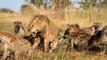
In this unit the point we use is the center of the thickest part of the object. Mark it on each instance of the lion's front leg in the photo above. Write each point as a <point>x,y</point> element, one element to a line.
<point>46,45</point>
<point>53,46</point>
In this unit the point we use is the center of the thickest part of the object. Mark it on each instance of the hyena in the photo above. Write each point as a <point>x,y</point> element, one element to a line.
<point>71,28</point>
<point>78,40</point>
<point>13,44</point>
<point>98,30</point>
<point>103,39</point>
<point>93,29</point>
<point>19,28</point>
<point>93,41</point>
<point>76,36</point>
<point>48,30</point>
<point>98,26</point>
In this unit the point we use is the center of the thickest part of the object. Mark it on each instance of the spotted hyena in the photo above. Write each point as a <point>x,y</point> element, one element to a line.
<point>19,28</point>
<point>71,28</point>
<point>97,26</point>
<point>103,39</point>
<point>98,30</point>
<point>13,44</point>
<point>76,37</point>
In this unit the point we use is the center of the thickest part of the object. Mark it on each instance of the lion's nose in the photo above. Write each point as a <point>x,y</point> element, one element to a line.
<point>28,30</point>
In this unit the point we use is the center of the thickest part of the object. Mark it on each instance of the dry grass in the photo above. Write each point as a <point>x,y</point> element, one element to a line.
<point>71,16</point>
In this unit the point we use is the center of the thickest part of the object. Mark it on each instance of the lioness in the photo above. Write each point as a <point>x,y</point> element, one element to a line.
<point>48,29</point>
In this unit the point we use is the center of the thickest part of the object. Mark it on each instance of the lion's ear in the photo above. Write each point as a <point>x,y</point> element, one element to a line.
<point>68,24</point>
<point>94,23</point>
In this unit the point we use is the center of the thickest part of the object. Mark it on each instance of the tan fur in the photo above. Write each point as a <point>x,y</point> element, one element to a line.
<point>22,33</point>
<point>75,28</point>
<point>103,39</point>
<point>77,36</point>
<point>89,30</point>
<point>95,27</point>
<point>48,29</point>
<point>36,42</point>
<point>79,39</point>
<point>16,45</point>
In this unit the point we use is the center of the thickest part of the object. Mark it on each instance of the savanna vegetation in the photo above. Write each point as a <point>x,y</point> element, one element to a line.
<point>61,12</point>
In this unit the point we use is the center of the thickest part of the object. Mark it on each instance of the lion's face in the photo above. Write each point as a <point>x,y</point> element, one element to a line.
<point>36,26</point>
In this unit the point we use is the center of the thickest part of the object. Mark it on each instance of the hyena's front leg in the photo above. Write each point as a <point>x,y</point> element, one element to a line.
<point>6,52</point>
<point>36,43</point>
<point>72,44</point>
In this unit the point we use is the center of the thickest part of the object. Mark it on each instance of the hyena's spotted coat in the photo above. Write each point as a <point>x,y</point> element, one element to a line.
<point>16,45</point>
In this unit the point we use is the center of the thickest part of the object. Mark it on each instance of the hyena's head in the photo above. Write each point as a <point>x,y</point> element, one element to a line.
<point>97,26</point>
<point>17,26</point>
<point>71,28</point>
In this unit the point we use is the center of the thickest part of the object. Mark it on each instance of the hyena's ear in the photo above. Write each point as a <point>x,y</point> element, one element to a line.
<point>14,23</point>
<point>20,22</point>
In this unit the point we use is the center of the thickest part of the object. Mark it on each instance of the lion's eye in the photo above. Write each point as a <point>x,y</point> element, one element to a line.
<point>69,29</point>
<point>32,25</point>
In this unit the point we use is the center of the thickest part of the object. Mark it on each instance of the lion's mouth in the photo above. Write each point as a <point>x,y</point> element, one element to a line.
<point>35,33</point>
